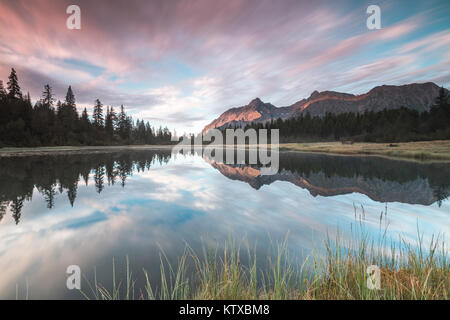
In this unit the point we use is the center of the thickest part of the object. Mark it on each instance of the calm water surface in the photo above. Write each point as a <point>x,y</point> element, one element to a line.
<point>61,210</point>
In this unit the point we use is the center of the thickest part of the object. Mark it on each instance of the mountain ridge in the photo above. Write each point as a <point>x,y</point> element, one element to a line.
<point>417,96</point>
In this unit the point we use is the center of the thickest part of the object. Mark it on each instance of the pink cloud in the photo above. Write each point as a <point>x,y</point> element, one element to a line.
<point>277,50</point>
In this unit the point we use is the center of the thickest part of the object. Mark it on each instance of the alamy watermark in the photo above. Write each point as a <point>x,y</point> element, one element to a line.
<point>74,20</point>
<point>74,277</point>
<point>374,277</point>
<point>240,147</point>
<point>374,20</point>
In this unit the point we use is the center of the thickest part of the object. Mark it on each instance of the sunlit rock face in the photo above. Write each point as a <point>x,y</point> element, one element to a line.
<point>415,96</point>
<point>256,110</point>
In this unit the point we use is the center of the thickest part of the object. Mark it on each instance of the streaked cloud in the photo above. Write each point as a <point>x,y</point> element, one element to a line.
<point>184,62</point>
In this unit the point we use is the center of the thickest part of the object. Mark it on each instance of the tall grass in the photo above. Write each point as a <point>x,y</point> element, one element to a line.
<point>407,272</point>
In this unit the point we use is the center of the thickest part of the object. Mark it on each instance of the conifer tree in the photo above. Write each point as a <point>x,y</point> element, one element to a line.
<point>108,123</point>
<point>21,124</point>
<point>442,99</point>
<point>70,98</point>
<point>85,123</point>
<point>3,92</point>
<point>122,123</point>
<point>13,86</point>
<point>97,116</point>
<point>84,116</point>
<point>114,120</point>
<point>70,107</point>
<point>47,96</point>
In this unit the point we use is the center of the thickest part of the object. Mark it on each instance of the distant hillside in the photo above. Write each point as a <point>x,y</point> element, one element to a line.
<point>416,96</point>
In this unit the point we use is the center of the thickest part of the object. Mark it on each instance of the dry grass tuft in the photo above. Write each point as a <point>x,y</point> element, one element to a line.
<point>407,272</point>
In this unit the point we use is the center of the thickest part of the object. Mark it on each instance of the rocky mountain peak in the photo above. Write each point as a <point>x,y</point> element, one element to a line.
<point>416,96</point>
<point>255,102</point>
<point>314,95</point>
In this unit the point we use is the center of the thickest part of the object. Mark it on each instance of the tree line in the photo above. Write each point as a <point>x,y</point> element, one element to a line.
<point>62,175</point>
<point>54,123</point>
<point>395,125</point>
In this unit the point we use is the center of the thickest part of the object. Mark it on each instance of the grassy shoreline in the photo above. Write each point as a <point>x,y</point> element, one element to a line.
<point>61,150</point>
<point>406,272</point>
<point>422,150</point>
<point>438,150</point>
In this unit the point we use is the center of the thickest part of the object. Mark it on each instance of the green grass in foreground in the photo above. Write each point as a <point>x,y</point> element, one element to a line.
<point>407,272</point>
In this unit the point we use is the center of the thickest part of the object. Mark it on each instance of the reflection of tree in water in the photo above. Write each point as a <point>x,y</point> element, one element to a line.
<point>49,196</point>
<point>58,174</point>
<point>438,174</point>
<point>53,175</point>
<point>441,194</point>
<point>98,178</point>
<point>381,179</point>
<point>3,207</point>
<point>16,208</point>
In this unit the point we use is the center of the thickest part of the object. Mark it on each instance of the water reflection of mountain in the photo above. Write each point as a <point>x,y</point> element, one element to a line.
<point>58,174</point>
<point>380,179</point>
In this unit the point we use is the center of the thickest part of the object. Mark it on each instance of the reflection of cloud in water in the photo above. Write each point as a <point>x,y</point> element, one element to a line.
<point>183,200</point>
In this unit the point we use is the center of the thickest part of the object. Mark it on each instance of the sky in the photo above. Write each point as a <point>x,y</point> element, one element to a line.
<point>183,63</point>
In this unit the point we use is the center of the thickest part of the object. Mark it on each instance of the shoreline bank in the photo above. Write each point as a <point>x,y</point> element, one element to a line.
<point>64,150</point>
<point>438,150</point>
<point>422,150</point>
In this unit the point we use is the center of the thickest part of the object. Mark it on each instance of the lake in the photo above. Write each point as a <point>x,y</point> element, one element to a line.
<point>86,209</point>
